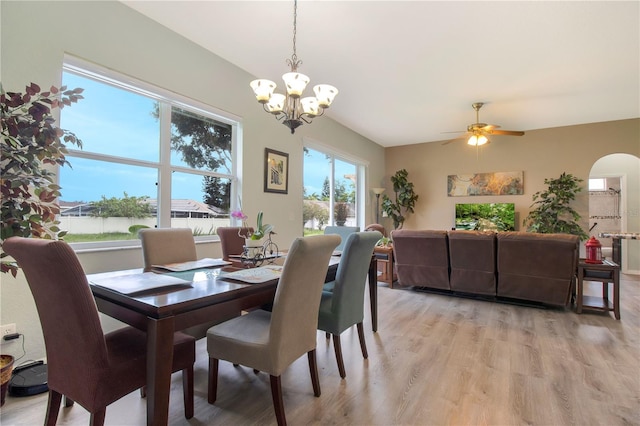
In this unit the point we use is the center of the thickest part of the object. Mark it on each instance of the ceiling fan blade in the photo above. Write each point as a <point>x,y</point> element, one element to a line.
<point>454,139</point>
<point>458,131</point>
<point>490,127</point>
<point>507,132</point>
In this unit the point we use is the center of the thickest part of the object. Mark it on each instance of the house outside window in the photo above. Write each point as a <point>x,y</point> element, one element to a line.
<point>150,158</point>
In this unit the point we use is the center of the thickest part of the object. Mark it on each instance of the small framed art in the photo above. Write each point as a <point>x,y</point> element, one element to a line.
<point>276,171</point>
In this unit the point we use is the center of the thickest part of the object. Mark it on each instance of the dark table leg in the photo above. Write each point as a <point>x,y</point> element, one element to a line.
<point>159,360</point>
<point>373,292</point>
<point>616,246</point>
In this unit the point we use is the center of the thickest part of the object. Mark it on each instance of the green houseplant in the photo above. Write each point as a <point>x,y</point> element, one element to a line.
<point>32,145</point>
<point>553,212</point>
<point>405,199</point>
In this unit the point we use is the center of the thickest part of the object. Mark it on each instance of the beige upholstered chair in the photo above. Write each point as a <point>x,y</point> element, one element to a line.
<point>376,227</point>
<point>172,245</point>
<point>232,243</point>
<point>84,364</point>
<point>167,245</point>
<point>343,306</point>
<point>271,341</point>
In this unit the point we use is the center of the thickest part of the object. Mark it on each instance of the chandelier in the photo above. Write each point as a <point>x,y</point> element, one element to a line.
<point>293,110</point>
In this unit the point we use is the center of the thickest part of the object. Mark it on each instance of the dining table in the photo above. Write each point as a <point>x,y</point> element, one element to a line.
<point>200,296</point>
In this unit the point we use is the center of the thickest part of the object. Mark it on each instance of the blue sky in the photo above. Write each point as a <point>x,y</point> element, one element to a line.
<point>119,123</point>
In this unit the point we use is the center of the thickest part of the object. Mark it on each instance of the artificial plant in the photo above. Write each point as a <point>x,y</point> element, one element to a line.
<point>553,212</point>
<point>405,199</point>
<point>32,145</point>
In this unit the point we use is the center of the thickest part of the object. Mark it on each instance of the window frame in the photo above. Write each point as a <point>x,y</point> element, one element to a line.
<point>362,168</point>
<point>166,100</point>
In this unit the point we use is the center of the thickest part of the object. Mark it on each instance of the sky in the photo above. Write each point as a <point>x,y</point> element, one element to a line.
<point>119,123</point>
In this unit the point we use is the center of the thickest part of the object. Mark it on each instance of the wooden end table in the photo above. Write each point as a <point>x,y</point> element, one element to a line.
<point>606,272</point>
<point>386,264</point>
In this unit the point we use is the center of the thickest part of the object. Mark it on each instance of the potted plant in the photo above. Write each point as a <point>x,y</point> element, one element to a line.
<point>405,199</point>
<point>341,211</point>
<point>553,212</point>
<point>31,143</point>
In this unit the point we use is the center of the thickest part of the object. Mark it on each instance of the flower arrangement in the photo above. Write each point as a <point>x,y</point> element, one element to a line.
<point>259,231</point>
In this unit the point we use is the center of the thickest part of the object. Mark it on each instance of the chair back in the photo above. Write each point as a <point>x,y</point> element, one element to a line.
<point>161,246</point>
<point>73,337</point>
<point>231,240</point>
<point>294,318</point>
<point>376,227</point>
<point>342,231</point>
<point>347,301</point>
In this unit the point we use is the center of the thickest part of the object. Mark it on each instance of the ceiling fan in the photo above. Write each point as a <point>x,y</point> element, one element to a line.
<point>478,132</point>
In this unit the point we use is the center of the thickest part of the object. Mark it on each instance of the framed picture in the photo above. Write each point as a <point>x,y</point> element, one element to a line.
<point>494,183</point>
<point>276,171</point>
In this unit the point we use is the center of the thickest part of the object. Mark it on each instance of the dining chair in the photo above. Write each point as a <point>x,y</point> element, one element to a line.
<point>232,242</point>
<point>271,341</point>
<point>84,364</point>
<point>162,246</point>
<point>343,231</point>
<point>343,305</point>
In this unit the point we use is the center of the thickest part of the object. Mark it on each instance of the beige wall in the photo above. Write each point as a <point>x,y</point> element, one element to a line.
<point>36,35</point>
<point>541,154</point>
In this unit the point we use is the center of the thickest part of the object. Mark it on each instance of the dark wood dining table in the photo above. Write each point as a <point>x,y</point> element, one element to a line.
<point>208,298</point>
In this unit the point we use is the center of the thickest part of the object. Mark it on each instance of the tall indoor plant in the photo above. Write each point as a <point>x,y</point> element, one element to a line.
<point>32,145</point>
<point>405,199</point>
<point>553,212</point>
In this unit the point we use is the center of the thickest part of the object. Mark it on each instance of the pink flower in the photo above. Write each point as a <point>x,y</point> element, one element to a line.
<point>238,214</point>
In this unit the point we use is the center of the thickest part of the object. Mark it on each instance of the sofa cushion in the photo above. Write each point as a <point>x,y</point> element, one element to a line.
<point>537,267</point>
<point>421,258</point>
<point>473,261</point>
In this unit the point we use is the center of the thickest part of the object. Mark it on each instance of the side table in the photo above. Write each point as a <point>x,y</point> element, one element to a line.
<point>606,272</point>
<point>386,266</point>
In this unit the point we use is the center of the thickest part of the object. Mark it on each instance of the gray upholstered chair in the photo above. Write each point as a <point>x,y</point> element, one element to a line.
<point>271,341</point>
<point>161,246</point>
<point>84,364</point>
<point>343,231</point>
<point>343,306</point>
<point>232,243</point>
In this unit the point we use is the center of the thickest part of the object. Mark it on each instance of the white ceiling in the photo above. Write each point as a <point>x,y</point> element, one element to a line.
<point>408,71</point>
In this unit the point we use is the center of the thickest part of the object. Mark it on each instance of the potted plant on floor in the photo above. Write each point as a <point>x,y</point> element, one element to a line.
<point>31,144</point>
<point>405,199</point>
<point>553,212</point>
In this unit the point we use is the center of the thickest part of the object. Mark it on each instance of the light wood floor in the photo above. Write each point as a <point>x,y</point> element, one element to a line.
<point>436,360</point>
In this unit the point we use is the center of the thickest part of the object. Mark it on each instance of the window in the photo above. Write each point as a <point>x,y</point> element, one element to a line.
<point>332,190</point>
<point>149,158</point>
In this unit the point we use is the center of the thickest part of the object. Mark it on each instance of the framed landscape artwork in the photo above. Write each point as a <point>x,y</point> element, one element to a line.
<point>494,183</point>
<point>276,171</point>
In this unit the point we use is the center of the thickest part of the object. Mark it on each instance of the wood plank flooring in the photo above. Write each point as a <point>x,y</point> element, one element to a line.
<point>435,360</point>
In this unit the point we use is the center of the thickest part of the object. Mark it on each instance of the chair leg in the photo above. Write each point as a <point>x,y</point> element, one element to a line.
<point>187,391</point>
<point>313,369</point>
<point>278,404</point>
<point>363,343</point>
<point>97,418</point>
<point>53,407</point>
<point>213,380</point>
<point>68,402</point>
<point>338,349</point>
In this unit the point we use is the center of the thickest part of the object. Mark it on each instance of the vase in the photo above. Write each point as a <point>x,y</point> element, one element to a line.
<point>253,247</point>
<point>6,363</point>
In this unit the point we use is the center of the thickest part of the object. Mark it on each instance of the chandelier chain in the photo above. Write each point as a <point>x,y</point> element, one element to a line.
<point>294,62</point>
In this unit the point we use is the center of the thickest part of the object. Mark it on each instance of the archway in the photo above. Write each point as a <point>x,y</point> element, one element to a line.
<point>614,205</point>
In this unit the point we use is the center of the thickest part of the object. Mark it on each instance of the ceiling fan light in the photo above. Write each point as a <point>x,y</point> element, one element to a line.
<point>295,83</point>
<point>477,140</point>
<point>325,94</point>
<point>263,89</point>
<point>276,103</point>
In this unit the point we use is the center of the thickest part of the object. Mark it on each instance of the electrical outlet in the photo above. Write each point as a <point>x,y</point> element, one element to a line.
<point>7,329</point>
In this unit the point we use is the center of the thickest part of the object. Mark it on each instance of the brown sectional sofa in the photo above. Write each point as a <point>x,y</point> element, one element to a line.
<point>507,265</point>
